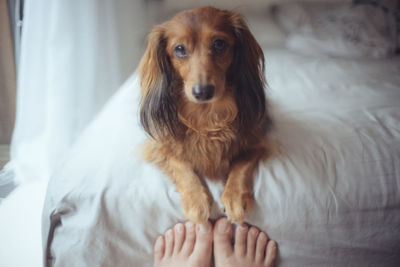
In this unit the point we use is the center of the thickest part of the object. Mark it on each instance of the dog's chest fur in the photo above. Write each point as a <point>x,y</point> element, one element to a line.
<point>210,141</point>
<point>211,153</point>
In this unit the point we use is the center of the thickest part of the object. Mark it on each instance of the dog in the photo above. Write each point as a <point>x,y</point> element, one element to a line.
<point>204,108</point>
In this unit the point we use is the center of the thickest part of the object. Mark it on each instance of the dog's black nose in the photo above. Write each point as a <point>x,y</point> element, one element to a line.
<point>203,92</point>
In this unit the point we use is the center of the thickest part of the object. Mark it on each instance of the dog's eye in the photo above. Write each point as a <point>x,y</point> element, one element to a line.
<point>219,46</point>
<point>180,51</point>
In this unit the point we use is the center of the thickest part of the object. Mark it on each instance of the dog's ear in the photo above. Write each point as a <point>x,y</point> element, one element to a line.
<point>158,107</point>
<point>247,75</point>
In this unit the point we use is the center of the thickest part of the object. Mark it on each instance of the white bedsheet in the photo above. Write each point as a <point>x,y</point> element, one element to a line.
<point>332,198</point>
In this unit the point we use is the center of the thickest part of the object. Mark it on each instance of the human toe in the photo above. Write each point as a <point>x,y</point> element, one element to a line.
<point>261,247</point>
<point>270,254</point>
<point>241,239</point>
<point>179,237</point>
<point>190,238</point>
<point>222,237</point>
<point>169,242</point>
<point>204,238</point>
<point>159,248</point>
<point>251,242</point>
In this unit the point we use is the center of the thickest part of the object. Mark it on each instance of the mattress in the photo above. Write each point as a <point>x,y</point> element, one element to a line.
<point>330,198</point>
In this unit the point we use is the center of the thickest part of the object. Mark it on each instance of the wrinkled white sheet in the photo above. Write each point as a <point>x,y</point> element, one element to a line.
<point>332,198</point>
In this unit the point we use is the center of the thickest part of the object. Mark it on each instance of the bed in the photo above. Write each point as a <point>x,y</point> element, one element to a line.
<point>330,198</point>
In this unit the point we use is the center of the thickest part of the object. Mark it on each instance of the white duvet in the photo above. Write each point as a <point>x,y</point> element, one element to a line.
<point>332,198</point>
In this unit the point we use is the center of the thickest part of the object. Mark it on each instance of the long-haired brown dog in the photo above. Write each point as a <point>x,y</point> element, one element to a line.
<point>203,104</point>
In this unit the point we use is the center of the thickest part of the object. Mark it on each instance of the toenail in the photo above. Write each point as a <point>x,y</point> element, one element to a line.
<point>223,227</point>
<point>169,233</point>
<point>263,236</point>
<point>243,227</point>
<point>272,244</point>
<point>204,228</point>
<point>179,228</point>
<point>253,231</point>
<point>190,226</point>
<point>159,241</point>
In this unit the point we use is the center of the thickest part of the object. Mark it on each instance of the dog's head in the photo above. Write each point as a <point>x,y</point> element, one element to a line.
<point>200,54</point>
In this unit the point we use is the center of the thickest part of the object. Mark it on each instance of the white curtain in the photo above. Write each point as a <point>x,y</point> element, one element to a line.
<point>74,55</point>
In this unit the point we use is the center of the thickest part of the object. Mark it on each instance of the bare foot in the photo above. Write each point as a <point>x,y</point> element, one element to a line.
<point>251,249</point>
<point>184,245</point>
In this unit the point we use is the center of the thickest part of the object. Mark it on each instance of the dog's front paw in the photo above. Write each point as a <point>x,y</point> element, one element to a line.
<point>196,206</point>
<point>236,204</point>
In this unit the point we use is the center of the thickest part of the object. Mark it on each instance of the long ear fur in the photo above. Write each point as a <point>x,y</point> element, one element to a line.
<point>248,78</point>
<point>158,109</point>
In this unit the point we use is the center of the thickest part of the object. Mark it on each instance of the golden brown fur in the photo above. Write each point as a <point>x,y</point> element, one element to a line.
<point>218,133</point>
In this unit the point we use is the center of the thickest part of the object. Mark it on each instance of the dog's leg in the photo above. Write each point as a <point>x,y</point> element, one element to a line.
<point>238,193</point>
<point>195,197</point>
